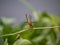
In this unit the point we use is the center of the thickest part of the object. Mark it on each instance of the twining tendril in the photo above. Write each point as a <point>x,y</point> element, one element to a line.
<point>28,29</point>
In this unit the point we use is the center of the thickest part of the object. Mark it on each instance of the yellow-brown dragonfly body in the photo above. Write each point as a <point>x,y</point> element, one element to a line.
<point>29,22</point>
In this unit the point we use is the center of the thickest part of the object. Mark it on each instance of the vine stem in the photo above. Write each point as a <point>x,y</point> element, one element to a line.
<point>28,29</point>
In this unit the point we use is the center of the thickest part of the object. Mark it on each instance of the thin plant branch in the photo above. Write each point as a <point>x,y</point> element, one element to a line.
<point>27,30</point>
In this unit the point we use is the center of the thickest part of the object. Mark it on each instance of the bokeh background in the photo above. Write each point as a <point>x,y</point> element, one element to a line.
<point>16,9</point>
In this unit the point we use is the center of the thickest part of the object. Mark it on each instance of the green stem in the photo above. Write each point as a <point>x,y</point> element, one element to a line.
<point>27,30</point>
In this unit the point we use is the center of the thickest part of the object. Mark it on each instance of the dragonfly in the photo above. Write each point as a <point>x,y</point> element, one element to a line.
<point>28,21</point>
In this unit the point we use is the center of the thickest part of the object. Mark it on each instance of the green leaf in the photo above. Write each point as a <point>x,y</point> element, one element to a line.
<point>7,21</point>
<point>22,42</point>
<point>6,42</point>
<point>1,23</point>
<point>36,15</point>
<point>8,30</point>
<point>27,34</point>
<point>1,28</point>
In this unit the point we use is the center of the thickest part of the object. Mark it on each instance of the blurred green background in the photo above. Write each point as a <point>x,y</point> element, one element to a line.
<point>17,9</point>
